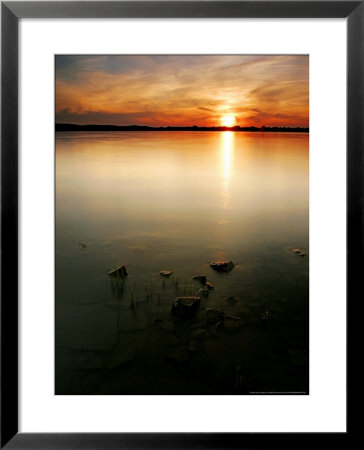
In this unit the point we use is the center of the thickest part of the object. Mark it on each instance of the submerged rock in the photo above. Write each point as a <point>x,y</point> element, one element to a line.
<point>298,252</point>
<point>222,266</point>
<point>201,278</point>
<point>214,315</point>
<point>120,272</point>
<point>165,273</point>
<point>185,306</point>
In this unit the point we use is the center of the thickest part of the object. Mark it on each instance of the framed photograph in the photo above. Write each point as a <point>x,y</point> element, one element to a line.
<point>181,221</point>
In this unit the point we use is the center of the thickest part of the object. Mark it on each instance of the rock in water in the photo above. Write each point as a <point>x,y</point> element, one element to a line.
<point>222,266</point>
<point>165,273</point>
<point>120,272</point>
<point>214,315</point>
<point>185,306</point>
<point>201,278</point>
<point>298,251</point>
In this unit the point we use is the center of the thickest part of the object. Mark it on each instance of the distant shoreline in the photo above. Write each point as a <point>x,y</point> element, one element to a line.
<point>73,127</point>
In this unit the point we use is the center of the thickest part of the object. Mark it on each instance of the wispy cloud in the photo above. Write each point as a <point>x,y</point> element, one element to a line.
<point>182,90</point>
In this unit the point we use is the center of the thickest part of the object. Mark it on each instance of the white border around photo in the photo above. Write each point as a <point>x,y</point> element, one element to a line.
<point>324,409</point>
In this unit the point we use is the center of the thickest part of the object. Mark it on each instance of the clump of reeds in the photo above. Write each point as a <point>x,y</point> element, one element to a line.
<point>133,295</point>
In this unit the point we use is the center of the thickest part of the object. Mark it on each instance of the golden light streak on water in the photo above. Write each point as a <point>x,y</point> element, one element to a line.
<point>227,146</point>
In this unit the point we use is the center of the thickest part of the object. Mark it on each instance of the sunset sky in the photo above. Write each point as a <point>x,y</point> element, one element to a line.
<point>211,90</point>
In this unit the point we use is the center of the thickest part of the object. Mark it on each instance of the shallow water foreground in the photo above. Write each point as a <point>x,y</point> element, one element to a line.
<point>178,201</point>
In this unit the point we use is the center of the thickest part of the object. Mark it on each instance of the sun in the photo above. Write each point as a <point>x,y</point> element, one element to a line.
<point>227,121</point>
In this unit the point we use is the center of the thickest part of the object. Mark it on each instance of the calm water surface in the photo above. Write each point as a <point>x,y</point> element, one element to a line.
<point>178,201</point>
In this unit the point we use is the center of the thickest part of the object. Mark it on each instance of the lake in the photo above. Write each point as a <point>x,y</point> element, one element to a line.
<point>178,201</point>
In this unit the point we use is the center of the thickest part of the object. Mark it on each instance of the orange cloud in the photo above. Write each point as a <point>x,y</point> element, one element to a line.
<point>182,90</point>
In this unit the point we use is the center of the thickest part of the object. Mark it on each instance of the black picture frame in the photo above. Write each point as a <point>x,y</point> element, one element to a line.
<point>11,12</point>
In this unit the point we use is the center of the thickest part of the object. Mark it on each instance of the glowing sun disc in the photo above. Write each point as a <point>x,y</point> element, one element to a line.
<point>228,121</point>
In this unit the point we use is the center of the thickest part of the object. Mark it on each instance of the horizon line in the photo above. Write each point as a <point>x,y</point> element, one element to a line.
<point>60,126</point>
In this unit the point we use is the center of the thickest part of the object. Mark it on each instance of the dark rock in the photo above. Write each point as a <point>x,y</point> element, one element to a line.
<point>185,306</point>
<point>298,252</point>
<point>165,273</point>
<point>222,266</point>
<point>209,285</point>
<point>214,315</point>
<point>82,245</point>
<point>201,278</point>
<point>120,272</point>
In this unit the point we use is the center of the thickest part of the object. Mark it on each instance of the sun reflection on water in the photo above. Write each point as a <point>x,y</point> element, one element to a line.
<point>227,147</point>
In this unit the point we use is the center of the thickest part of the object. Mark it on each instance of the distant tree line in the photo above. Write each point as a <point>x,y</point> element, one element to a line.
<point>75,127</point>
